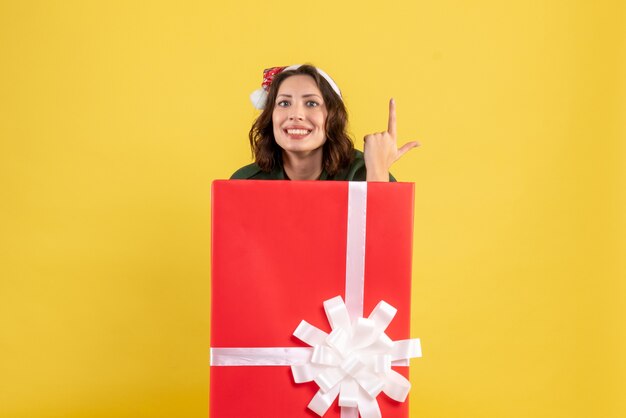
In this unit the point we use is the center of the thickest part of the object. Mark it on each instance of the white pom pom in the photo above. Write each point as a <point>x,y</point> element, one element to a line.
<point>258,98</point>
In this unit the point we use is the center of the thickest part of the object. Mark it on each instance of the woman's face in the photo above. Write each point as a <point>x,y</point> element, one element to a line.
<point>299,116</point>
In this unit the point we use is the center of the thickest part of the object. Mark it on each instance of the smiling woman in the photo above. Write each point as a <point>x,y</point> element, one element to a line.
<point>301,132</point>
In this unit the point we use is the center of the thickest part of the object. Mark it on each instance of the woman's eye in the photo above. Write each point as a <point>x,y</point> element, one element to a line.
<point>312,103</point>
<point>283,103</point>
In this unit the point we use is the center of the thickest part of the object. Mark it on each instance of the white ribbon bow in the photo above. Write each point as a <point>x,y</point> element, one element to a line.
<point>354,360</point>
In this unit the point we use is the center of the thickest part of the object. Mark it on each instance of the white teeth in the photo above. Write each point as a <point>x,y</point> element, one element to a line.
<point>298,131</point>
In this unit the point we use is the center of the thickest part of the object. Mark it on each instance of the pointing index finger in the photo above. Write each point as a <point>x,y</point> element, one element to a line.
<point>391,126</point>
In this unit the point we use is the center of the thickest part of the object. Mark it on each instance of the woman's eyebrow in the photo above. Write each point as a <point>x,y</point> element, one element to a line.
<point>304,95</point>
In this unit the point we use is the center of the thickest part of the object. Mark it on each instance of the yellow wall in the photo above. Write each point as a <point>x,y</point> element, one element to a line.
<point>115,116</point>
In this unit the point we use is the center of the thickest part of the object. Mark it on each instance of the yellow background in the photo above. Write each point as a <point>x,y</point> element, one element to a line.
<point>115,117</point>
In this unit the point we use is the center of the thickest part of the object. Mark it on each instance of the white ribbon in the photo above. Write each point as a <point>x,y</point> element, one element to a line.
<point>354,361</point>
<point>255,356</point>
<point>355,251</point>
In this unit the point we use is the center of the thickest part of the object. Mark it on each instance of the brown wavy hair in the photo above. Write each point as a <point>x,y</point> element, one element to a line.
<point>338,149</point>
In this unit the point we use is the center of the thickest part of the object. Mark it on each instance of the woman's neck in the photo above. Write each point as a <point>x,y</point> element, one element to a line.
<point>303,167</point>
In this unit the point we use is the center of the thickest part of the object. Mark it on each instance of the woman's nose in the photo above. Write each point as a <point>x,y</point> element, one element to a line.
<point>296,112</point>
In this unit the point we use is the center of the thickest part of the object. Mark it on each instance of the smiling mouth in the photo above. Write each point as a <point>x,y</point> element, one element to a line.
<point>298,132</point>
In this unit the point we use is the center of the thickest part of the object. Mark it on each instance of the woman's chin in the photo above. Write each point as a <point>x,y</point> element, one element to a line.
<point>305,145</point>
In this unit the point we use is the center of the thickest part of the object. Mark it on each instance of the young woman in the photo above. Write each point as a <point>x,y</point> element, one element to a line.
<point>301,132</point>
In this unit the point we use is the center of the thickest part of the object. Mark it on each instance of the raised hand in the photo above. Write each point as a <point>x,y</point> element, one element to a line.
<point>381,149</point>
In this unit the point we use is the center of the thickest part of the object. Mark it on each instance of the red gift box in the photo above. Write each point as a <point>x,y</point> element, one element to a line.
<point>279,251</point>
